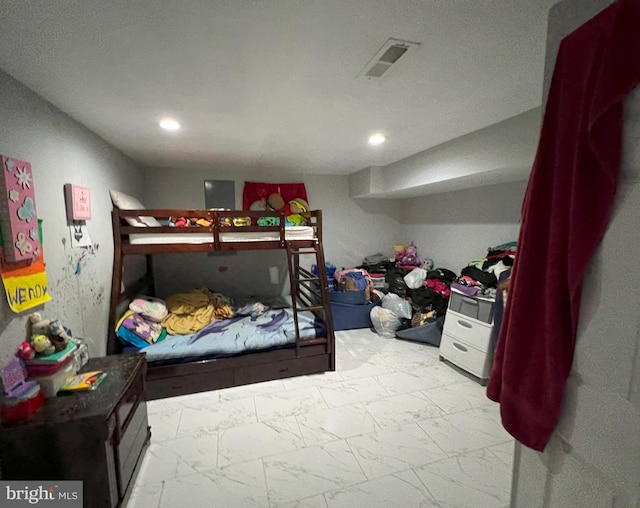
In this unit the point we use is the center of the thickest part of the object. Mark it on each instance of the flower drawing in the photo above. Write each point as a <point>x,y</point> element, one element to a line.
<point>24,178</point>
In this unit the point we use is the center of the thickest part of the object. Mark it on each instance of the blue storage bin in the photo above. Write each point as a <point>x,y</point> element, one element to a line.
<point>349,317</point>
<point>351,297</point>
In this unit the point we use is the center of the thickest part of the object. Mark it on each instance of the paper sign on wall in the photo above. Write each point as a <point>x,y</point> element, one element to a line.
<point>78,202</point>
<point>25,284</point>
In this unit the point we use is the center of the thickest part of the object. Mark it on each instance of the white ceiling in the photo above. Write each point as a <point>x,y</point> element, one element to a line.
<point>273,84</point>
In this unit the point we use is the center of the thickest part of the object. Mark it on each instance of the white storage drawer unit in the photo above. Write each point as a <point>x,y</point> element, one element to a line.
<point>466,336</point>
<point>477,307</point>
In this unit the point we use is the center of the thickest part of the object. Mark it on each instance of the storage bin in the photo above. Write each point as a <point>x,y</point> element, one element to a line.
<point>358,297</point>
<point>429,333</point>
<point>51,384</point>
<point>348,317</point>
<point>476,307</point>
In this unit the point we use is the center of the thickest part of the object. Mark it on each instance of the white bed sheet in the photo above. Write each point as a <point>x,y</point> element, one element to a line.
<point>291,233</point>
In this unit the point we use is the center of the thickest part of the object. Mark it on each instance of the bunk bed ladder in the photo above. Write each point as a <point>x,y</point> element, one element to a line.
<point>309,291</point>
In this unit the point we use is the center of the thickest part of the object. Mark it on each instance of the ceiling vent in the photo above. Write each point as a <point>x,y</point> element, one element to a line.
<point>387,57</point>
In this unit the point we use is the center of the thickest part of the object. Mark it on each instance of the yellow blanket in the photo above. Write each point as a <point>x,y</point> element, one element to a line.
<point>190,312</point>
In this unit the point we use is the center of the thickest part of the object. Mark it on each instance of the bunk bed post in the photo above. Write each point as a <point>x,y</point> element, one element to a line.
<point>293,262</point>
<point>116,283</point>
<point>324,293</point>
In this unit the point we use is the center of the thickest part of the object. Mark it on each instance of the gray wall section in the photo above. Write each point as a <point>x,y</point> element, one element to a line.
<point>62,151</point>
<point>454,228</point>
<point>593,458</point>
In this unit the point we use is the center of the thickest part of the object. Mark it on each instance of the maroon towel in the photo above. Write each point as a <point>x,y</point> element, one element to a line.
<point>565,214</point>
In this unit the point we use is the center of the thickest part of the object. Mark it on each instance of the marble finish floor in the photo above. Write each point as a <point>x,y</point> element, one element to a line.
<point>392,427</point>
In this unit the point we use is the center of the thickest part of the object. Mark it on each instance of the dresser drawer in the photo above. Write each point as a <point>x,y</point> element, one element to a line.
<point>131,444</point>
<point>128,404</point>
<point>475,307</point>
<point>470,331</point>
<point>466,356</point>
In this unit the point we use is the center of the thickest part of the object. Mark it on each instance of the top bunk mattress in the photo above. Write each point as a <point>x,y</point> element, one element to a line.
<point>291,233</point>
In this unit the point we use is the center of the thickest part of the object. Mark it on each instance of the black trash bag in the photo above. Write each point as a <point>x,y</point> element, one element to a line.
<point>395,280</point>
<point>424,299</point>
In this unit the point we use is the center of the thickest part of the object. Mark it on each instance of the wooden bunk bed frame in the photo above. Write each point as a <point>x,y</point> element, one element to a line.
<point>309,356</point>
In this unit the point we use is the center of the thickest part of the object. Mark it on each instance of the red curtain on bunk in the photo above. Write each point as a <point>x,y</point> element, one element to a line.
<point>259,193</point>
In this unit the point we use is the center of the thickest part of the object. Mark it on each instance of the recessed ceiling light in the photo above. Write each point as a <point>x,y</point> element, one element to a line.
<point>377,139</point>
<point>169,124</point>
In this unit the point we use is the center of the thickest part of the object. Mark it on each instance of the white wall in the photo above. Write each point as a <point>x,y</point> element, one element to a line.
<point>352,229</point>
<point>454,228</point>
<point>593,458</point>
<point>500,153</point>
<point>62,151</point>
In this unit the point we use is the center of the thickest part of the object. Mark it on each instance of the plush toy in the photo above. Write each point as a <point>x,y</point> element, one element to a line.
<point>58,335</point>
<point>51,329</point>
<point>42,345</point>
<point>297,207</point>
<point>25,351</point>
<point>39,326</point>
<point>260,205</point>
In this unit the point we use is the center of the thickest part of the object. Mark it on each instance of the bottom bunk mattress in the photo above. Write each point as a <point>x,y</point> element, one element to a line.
<point>229,337</point>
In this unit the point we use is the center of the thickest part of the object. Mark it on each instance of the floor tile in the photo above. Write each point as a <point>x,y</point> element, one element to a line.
<point>209,419</point>
<point>288,403</point>
<point>352,392</point>
<point>399,490</point>
<point>164,424</point>
<point>326,378</point>
<point>236,486</point>
<point>402,409</point>
<point>179,457</point>
<point>145,496</point>
<point>504,452</point>
<point>474,480</point>
<point>404,382</point>
<point>356,368</point>
<point>240,392</point>
<point>392,426</point>
<point>308,502</point>
<point>393,450</point>
<point>256,440</point>
<point>463,432</point>
<point>331,424</point>
<point>459,397</point>
<point>311,471</point>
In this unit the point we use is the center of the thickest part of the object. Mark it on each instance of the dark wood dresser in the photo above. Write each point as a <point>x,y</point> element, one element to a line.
<point>98,436</point>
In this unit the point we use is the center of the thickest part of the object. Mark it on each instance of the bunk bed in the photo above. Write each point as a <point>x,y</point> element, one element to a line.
<point>227,231</point>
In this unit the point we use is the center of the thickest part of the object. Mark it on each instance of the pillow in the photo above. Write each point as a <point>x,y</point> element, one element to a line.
<point>126,202</point>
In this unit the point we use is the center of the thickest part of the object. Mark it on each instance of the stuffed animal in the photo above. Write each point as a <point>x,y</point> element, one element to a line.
<point>51,329</point>
<point>42,345</point>
<point>25,351</point>
<point>39,326</point>
<point>58,335</point>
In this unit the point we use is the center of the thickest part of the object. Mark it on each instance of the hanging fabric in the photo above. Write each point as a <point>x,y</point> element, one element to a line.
<point>565,214</point>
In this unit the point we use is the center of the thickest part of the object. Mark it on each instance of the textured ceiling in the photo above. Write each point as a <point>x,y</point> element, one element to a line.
<point>274,84</point>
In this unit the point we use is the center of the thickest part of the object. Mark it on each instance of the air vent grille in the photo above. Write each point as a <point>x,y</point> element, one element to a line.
<point>387,56</point>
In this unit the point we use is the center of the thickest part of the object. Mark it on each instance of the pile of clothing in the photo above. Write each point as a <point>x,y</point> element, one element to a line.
<point>149,320</point>
<point>481,276</point>
<point>141,324</point>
